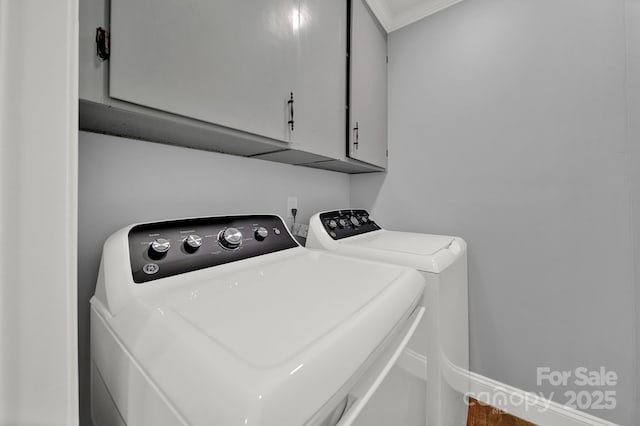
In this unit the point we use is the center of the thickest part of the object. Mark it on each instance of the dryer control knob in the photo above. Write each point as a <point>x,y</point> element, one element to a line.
<point>230,238</point>
<point>343,223</point>
<point>261,233</point>
<point>159,247</point>
<point>354,221</point>
<point>192,243</point>
<point>332,224</point>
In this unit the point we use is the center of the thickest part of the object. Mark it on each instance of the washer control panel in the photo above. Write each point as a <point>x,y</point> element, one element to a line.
<point>163,249</point>
<point>347,223</point>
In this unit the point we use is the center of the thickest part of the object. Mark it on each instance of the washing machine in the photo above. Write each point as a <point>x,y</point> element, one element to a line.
<point>439,351</point>
<point>227,320</point>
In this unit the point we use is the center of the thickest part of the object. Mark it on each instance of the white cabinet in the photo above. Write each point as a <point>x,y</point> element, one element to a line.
<point>368,82</point>
<point>219,75</point>
<point>232,63</point>
<point>321,84</point>
<point>272,68</point>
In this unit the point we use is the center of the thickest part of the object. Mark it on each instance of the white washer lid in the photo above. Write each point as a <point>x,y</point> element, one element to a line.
<point>267,316</point>
<point>425,252</point>
<point>269,344</point>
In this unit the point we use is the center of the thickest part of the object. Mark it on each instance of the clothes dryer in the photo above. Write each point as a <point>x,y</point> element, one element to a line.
<point>442,339</point>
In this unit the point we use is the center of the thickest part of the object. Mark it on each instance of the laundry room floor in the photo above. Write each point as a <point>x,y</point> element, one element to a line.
<point>486,415</point>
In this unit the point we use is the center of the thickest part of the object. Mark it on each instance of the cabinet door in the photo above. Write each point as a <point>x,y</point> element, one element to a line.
<point>320,97</point>
<point>368,97</point>
<point>228,62</point>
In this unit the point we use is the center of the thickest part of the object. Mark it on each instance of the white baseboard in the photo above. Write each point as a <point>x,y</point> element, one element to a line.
<point>538,410</point>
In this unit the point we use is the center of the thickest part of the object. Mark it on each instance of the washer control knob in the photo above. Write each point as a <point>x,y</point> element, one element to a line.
<point>343,223</point>
<point>364,219</point>
<point>230,238</point>
<point>354,221</point>
<point>261,233</point>
<point>159,247</point>
<point>192,243</point>
<point>332,224</point>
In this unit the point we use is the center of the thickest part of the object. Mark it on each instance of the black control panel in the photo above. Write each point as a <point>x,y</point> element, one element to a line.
<point>347,223</point>
<point>163,249</point>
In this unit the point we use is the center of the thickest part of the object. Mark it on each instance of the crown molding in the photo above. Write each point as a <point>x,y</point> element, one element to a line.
<point>382,12</point>
<point>418,12</point>
<point>391,22</point>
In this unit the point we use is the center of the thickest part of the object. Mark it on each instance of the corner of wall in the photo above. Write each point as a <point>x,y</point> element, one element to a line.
<point>632,23</point>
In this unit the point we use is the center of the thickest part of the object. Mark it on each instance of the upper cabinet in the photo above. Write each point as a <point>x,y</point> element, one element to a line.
<point>232,63</point>
<point>321,84</point>
<point>368,82</point>
<point>266,79</point>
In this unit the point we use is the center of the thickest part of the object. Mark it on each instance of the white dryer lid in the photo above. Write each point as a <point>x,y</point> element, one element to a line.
<point>268,343</point>
<point>403,242</point>
<point>425,252</point>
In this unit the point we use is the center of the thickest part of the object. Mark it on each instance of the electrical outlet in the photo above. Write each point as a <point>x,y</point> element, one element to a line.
<point>292,203</point>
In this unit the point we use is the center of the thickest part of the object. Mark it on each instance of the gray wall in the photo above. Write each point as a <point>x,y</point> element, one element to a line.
<point>508,127</point>
<point>123,181</point>
<point>633,80</point>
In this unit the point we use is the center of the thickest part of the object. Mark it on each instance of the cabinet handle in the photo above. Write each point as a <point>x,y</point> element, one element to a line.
<point>102,44</point>
<point>290,102</point>
<point>356,136</point>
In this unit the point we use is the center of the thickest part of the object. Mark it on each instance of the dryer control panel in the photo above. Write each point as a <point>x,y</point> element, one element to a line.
<point>347,223</point>
<point>163,249</point>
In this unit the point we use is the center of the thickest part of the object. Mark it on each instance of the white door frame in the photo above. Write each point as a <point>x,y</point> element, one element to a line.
<point>38,212</point>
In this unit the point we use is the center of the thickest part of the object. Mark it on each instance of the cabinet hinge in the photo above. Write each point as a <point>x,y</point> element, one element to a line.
<point>102,44</point>
<point>387,153</point>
